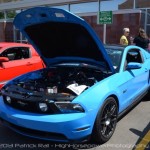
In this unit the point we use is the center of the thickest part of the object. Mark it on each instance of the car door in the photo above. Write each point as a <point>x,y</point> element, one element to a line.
<point>21,60</point>
<point>140,76</point>
<point>136,80</point>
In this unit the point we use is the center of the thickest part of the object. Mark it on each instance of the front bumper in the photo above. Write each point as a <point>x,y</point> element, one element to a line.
<point>58,127</point>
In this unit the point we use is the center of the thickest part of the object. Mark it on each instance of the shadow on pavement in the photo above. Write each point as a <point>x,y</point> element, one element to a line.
<point>143,143</point>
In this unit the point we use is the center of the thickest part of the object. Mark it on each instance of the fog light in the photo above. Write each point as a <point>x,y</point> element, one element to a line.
<point>8,99</point>
<point>43,107</point>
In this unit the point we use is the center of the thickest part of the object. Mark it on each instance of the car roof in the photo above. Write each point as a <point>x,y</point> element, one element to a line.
<point>5,44</point>
<point>115,46</point>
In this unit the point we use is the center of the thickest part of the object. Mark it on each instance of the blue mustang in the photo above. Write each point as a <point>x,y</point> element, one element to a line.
<point>85,87</point>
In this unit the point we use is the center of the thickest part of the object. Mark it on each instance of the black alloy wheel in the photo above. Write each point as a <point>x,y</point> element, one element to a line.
<point>106,121</point>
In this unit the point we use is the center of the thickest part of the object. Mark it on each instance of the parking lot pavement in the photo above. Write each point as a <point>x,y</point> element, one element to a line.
<point>132,133</point>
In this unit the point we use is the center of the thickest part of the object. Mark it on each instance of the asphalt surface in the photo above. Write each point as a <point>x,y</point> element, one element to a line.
<point>132,133</point>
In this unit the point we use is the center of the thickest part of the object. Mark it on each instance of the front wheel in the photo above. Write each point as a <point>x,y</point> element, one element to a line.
<point>106,121</point>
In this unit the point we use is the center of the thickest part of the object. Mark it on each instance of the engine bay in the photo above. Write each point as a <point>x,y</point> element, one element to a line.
<point>59,82</point>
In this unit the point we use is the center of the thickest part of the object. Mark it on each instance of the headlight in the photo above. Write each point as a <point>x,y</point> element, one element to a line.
<point>69,107</point>
<point>43,107</point>
<point>59,107</point>
<point>8,99</point>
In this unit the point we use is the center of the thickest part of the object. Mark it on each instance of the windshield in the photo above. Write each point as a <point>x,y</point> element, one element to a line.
<point>115,54</point>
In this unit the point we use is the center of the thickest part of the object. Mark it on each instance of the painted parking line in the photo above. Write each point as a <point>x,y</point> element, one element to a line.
<point>144,142</point>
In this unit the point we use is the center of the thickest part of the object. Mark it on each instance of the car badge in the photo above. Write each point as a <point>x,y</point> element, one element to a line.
<point>21,103</point>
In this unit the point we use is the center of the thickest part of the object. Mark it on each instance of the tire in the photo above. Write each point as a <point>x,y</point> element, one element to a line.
<point>106,121</point>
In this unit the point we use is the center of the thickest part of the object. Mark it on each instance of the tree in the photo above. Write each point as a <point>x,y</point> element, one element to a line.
<point>1,15</point>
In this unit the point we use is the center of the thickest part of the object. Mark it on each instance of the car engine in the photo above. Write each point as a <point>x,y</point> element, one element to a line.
<point>50,85</point>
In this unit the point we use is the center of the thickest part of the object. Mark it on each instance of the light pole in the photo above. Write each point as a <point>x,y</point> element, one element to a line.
<point>99,1</point>
<point>104,26</point>
<point>134,4</point>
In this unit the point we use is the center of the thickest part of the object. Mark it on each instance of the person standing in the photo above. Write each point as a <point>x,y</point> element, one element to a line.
<point>123,39</point>
<point>142,39</point>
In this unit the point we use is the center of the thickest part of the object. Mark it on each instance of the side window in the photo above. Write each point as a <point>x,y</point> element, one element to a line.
<point>25,52</point>
<point>16,53</point>
<point>134,55</point>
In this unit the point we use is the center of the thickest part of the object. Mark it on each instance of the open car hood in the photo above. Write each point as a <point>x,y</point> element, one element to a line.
<point>60,36</point>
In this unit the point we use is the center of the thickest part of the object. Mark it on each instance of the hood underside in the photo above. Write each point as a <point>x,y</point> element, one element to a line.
<point>64,39</point>
<point>58,35</point>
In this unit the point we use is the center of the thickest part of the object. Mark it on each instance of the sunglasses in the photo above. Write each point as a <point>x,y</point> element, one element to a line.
<point>142,32</point>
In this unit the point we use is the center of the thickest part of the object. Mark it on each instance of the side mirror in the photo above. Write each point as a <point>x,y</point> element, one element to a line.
<point>3,59</point>
<point>133,65</point>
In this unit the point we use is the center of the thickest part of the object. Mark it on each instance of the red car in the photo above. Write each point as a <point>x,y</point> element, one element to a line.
<point>17,59</point>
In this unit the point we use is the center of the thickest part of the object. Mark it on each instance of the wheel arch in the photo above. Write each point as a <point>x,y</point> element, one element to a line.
<point>116,98</point>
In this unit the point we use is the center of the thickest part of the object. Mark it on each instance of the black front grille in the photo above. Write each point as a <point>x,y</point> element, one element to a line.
<point>28,106</point>
<point>21,105</point>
